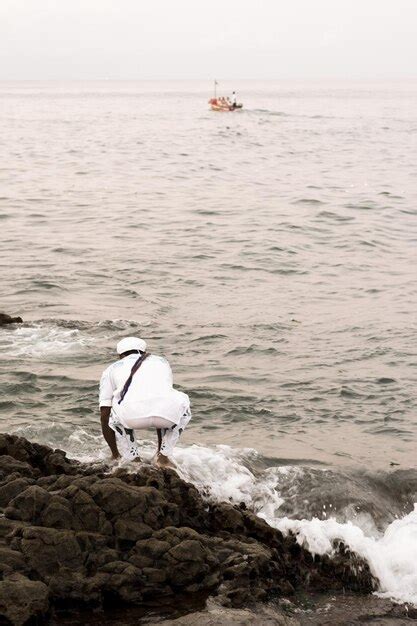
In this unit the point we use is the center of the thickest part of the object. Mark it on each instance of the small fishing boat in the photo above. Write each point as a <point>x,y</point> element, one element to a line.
<point>222,104</point>
<point>216,104</point>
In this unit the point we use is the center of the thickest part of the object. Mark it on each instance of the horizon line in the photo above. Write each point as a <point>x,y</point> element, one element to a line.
<point>211,80</point>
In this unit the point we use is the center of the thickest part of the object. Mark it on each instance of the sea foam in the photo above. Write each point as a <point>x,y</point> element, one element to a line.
<point>392,557</point>
<point>39,340</point>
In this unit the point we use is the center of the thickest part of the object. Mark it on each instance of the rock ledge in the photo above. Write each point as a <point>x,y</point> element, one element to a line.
<point>78,536</point>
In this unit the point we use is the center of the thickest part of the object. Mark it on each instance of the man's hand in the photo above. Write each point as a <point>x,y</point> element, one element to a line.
<point>108,433</point>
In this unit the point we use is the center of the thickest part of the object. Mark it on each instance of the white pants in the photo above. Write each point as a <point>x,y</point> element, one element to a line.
<point>138,423</point>
<point>171,432</point>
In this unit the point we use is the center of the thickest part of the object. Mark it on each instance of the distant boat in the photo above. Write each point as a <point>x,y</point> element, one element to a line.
<point>222,104</point>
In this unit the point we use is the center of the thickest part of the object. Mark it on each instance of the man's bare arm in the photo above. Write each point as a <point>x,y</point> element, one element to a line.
<point>159,433</point>
<point>108,433</point>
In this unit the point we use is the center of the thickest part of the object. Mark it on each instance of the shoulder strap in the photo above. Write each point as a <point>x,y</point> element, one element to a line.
<point>133,371</point>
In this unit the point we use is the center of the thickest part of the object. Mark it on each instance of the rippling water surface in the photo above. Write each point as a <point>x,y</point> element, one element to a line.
<point>269,253</point>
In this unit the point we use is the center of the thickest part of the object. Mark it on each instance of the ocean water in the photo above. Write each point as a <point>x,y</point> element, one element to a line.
<point>268,253</point>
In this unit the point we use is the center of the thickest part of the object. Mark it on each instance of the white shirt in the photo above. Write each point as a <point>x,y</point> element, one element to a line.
<point>151,392</point>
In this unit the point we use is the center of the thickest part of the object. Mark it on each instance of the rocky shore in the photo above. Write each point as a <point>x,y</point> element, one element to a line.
<point>77,537</point>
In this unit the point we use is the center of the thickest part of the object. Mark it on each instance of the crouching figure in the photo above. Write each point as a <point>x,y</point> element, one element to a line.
<point>137,392</point>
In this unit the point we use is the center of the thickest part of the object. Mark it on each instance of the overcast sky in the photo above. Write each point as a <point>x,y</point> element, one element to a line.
<point>182,39</point>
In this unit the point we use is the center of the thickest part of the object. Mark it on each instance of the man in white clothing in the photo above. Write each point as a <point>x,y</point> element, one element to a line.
<point>137,392</point>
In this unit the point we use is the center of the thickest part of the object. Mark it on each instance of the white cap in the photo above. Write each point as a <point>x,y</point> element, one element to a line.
<point>130,343</point>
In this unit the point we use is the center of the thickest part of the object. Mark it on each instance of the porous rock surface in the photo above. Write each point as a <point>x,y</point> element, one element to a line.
<point>78,536</point>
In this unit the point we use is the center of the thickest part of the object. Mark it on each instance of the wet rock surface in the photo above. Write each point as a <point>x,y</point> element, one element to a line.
<point>78,537</point>
<point>339,609</point>
<point>8,319</point>
<point>346,609</point>
<point>313,609</point>
<point>220,616</point>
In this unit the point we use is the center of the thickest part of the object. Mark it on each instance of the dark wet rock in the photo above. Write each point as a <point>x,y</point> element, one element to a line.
<point>11,561</point>
<point>128,530</point>
<point>89,538</point>
<point>7,319</point>
<point>38,460</point>
<point>22,599</point>
<point>11,487</point>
